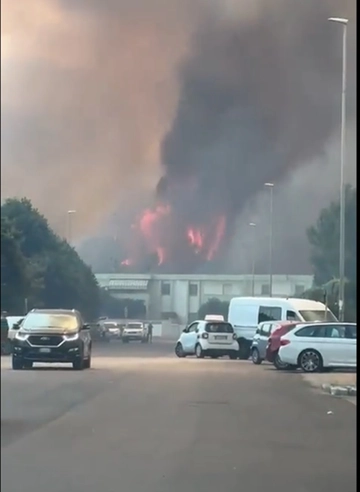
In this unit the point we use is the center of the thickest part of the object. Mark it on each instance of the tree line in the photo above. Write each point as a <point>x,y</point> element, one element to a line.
<point>39,268</point>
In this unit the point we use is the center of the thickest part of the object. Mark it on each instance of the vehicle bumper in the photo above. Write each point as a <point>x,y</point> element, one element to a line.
<point>68,352</point>
<point>220,348</point>
<point>287,358</point>
<point>133,337</point>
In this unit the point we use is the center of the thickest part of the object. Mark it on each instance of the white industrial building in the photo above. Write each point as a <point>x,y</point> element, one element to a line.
<point>180,296</point>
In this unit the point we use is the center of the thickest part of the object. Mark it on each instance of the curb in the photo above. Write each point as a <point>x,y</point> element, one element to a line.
<point>339,390</point>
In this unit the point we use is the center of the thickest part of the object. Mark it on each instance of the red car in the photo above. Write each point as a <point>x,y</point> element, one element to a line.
<point>274,343</point>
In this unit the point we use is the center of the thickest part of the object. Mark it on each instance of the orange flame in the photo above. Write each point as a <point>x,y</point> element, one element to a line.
<point>155,229</point>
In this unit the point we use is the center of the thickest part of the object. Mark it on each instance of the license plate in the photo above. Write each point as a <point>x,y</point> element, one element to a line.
<point>45,350</point>
<point>220,337</point>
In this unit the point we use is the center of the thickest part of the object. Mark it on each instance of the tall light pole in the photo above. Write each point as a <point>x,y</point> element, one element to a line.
<point>270,186</point>
<point>253,226</point>
<point>344,23</point>
<point>70,213</point>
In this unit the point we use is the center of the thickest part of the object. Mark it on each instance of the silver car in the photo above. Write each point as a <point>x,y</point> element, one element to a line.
<point>260,340</point>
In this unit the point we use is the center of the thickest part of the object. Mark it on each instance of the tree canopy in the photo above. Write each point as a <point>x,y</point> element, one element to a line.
<point>39,266</point>
<point>214,306</point>
<point>324,239</point>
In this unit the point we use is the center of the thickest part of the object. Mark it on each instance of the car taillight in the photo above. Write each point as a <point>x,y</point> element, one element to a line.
<point>234,336</point>
<point>205,335</point>
<point>284,342</point>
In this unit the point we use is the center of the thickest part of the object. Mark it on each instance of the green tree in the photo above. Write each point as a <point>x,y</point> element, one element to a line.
<point>214,306</point>
<point>14,276</point>
<point>324,241</point>
<point>58,276</point>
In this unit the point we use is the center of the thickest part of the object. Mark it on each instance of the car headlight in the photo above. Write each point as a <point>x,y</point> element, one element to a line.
<point>71,338</point>
<point>21,336</point>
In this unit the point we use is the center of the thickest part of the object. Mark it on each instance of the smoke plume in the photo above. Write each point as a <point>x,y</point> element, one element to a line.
<point>101,99</point>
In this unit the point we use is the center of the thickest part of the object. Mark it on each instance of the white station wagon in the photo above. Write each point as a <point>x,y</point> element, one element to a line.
<point>316,346</point>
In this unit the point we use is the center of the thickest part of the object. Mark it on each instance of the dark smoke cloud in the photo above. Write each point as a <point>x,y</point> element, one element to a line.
<point>247,91</point>
<point>257,100</point>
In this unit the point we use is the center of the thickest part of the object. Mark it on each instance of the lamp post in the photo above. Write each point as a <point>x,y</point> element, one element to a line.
<point>270,186</point>
<point>341,300</point>
<point>70,213</point>
<point>253,226</point>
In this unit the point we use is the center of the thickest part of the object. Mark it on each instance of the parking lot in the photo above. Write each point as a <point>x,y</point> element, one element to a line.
<point>143,420</point>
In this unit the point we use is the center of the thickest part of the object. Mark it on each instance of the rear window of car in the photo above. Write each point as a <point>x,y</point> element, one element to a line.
<point>219,328</point>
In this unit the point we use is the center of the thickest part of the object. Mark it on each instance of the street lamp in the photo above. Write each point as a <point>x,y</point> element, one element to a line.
<point>253,226</point>
<point>344,23</point>
<point>70,213</point>
<point>270,186</point>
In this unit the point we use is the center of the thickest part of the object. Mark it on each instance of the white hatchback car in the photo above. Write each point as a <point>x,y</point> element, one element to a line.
<point>316,346</point>
<point>208,338</point>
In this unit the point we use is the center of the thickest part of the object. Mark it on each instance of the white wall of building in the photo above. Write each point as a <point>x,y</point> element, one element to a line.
<point>184,294</point>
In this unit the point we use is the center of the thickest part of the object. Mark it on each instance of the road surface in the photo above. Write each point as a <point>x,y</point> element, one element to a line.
<point>142,420</point>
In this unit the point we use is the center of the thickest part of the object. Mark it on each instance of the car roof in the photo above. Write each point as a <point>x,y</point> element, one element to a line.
<point>53,311</point>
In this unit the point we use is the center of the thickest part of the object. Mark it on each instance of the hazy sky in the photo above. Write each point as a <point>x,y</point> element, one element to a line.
<point>90,88</point>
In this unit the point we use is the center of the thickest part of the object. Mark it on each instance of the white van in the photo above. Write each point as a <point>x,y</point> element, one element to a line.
<point>245,313</point>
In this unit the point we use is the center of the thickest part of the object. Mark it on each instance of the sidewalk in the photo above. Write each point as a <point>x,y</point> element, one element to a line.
<point>335,383</point>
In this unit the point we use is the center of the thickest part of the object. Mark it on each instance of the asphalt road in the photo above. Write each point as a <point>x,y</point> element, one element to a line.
<point>142,420</point>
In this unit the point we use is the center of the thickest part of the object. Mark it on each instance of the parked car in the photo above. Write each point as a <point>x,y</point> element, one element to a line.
<point>317,346</point>
<point>135,331</point>
<point>245,313</point>
<point>274,343</point>
<point>208,338</point>
<point>112,329</point>
<point>52,335</point>
<point>261,339</point>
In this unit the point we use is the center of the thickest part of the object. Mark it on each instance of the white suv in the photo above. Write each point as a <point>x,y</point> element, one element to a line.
<point>136,331</point>
<point>208,338</point>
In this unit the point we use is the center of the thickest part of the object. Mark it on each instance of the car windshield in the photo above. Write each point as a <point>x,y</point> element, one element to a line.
<point>318,315</point>
<point>219,328</point>
<point>35,321</point>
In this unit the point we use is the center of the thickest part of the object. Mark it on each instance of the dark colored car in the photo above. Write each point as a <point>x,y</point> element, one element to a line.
<point>52,335</point>
<point>274,343</point>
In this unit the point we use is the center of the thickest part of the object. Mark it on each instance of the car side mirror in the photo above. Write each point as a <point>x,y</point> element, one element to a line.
<point>85,326</point>
<point>16,326</point>
<point>185,330</point>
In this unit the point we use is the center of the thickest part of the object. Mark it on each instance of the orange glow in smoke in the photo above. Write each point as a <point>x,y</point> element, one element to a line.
<point>154,227</point>
<point>149,225</point>
<point>195,238</point>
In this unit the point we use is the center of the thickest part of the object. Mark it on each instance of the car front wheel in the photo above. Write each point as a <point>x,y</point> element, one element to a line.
<point>17,363</point>
<point>78,364</point>
<point>179,351</point>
